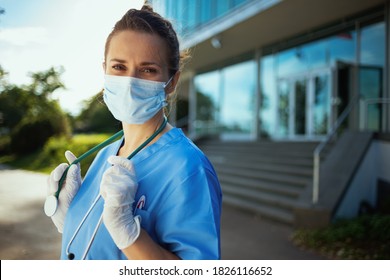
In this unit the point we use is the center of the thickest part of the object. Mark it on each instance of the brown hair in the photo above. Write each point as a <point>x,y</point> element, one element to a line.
<point>148,21</point>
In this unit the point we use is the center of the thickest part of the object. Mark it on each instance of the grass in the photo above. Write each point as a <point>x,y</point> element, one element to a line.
<point>52,154</point>
<point>364,237</point>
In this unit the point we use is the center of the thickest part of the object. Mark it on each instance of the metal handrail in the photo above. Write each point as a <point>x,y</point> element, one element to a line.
<point>322,145</point>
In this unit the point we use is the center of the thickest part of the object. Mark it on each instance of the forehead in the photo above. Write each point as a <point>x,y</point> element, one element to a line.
<point>137,46</point>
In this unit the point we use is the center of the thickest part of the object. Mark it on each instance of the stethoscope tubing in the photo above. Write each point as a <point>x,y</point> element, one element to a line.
<point>83,156</point>
<point>79,227</point>
<point>87,249</point>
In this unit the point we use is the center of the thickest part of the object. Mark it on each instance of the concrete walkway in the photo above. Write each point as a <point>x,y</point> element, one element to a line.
<point>26,233</point>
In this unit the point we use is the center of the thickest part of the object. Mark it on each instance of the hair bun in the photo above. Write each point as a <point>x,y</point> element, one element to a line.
<point>147,7</point>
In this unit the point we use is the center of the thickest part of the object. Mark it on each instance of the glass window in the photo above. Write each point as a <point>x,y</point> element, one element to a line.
<point>238,99</point>
<point>206,9</point>
<point>191,14</point>
<point>373,45</point>
<point>372,59</point>
<point>321,104</point>
<point>290,62</point>
<point>207,101</point>
<point>179,21</point>
<point>342,47</point>
<point>371,88</point>
<point>226,99</point>
<point>268,96</point>
<point>238,2</point>
<point>283,108</point>
<point>300,107</point>
<point>318,54</point>
<point>222,7</point>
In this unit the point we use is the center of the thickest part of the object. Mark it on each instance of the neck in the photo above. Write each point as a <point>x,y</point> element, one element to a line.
<point>136,134</point>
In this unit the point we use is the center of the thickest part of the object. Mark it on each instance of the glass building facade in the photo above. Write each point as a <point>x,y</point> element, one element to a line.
<point>305,88</point>
<point>190,15</point>
<point>288,90</point>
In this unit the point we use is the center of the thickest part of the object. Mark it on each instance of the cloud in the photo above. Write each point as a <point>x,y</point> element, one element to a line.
<point>23,36</point>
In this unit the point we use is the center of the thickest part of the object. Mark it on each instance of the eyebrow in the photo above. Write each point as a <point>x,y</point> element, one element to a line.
<point>145,63</point>
<point>118,60</point>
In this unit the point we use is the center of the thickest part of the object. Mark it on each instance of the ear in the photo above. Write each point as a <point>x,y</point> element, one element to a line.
<point>104,66</point>
<point>172,85</point>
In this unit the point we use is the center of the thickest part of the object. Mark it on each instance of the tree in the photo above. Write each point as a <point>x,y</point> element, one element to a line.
<point>29,113</point>
<point>95,117</point>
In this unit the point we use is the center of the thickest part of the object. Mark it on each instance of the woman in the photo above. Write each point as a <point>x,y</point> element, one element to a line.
<point>164,203</point>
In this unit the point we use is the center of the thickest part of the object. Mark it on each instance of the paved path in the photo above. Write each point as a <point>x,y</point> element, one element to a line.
<point>26,233</point>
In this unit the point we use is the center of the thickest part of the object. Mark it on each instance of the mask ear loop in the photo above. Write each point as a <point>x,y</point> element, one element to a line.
<point>169,81</point>
<point>166,111</point>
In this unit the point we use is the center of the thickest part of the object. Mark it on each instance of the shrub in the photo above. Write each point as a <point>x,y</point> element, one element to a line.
<point>31,135</point>
<point>364,237</point>
<point>54,150</point>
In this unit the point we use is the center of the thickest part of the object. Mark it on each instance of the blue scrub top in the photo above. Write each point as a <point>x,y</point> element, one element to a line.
<point>182,202</point>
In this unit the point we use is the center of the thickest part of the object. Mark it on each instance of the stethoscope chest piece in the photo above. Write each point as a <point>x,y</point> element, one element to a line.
<point>51,205</point>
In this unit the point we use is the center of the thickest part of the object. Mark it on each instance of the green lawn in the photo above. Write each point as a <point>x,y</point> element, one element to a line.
<point>52,153</point>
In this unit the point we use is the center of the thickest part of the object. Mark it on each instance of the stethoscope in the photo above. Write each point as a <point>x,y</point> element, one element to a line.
<point>51,203</point>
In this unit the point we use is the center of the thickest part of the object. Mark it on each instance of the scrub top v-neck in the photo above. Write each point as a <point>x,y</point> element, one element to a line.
<point>178,199</point>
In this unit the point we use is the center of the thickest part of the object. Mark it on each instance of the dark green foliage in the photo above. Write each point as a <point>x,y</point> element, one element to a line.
<point>29,116</point>
<point>95,117</point>
<point>364,237</point>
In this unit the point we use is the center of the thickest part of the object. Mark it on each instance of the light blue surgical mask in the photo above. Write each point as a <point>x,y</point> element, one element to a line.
<point>132,100</point>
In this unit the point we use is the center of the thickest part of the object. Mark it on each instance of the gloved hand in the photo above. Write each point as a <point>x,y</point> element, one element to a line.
<point>118,188</point>
<point>69,188</point>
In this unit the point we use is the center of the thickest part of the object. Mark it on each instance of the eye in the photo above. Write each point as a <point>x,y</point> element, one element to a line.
<point>119,67</point>
<point>149,70</point>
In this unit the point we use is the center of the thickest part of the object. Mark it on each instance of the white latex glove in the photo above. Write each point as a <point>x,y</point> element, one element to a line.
<point>69,188</point>
<point>118,188</point>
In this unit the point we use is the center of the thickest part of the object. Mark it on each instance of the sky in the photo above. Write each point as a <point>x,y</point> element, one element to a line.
<point>38,34</point>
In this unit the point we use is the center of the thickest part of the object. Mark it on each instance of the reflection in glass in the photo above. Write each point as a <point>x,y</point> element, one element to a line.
<point>283,107</point>
<point>300,107</point>
<point>206,11</point>
<point>226,99</point>
<point>222,7</point>
<point>319,54</point>
<point>371,88</point>
<point>238,101</point>
<point>207,101</point>
<point>191,20</point>
<point>297,65</point>
<point>372,59</point>
<point>321,105</point>
<point>268,103</point>
<point>373,45</point>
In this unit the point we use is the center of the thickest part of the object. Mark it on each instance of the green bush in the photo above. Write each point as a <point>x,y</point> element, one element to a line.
<point>28,136</point>
<point>29,114</point>
<point>5,143</point>
<point>364,237</point>
<point>54,151</point>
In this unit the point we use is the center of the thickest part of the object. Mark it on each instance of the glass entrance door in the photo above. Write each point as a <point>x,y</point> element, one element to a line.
<point>304,105</point>
<point>299,107</point>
